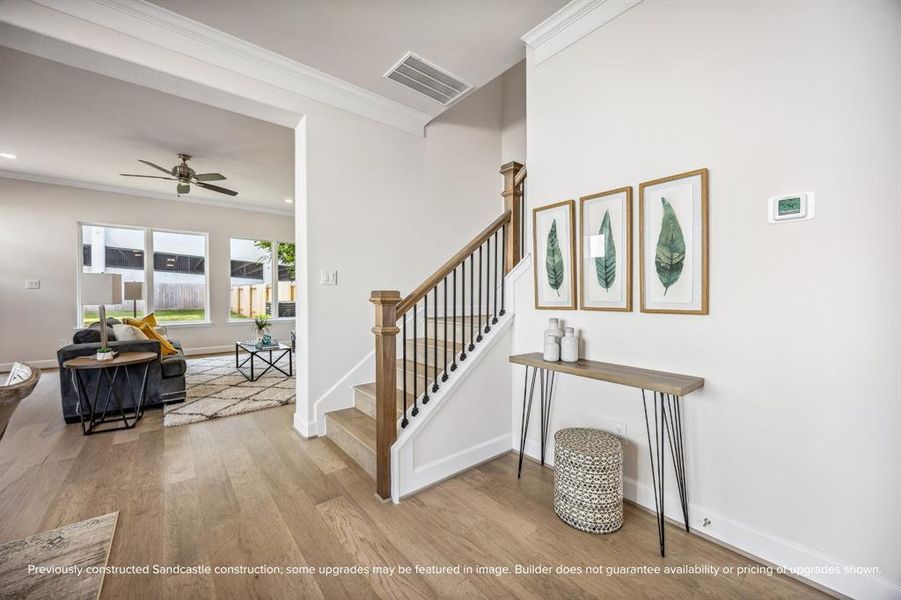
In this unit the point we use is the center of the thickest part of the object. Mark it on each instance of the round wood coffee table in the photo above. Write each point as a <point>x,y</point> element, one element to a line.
<point>108,371</point>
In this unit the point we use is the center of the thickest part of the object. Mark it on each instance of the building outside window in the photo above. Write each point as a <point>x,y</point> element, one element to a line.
<point>177,271</point>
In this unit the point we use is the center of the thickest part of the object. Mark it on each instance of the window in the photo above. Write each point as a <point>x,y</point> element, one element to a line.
<point>113,250</point>
<point>177,274</point>
<point>251,279</point>
<point>250,290</point>
<point>287,289</point>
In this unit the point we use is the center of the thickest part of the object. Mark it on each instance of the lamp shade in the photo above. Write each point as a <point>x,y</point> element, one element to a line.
<point>101,288</point>
<point>134,290</point>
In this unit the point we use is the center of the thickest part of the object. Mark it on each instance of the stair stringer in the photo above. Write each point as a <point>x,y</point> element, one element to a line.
<point>468,421</point>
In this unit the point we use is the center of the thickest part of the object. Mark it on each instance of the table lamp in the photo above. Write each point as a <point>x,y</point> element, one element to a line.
<point>101,289</point>
<point>134,291</point>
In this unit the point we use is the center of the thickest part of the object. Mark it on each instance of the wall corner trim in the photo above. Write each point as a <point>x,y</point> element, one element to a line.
<point>571,23</point>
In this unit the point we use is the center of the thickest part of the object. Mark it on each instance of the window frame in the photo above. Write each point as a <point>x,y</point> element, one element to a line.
<point>273,257</point>
<point>149,300</point>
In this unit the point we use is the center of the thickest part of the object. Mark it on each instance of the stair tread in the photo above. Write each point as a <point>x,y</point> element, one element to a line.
<point>430,342</point>
<point>356,423</point>
<point>369,390</point>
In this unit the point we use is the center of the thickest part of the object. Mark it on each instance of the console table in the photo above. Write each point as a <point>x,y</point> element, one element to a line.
<point>668,390</point>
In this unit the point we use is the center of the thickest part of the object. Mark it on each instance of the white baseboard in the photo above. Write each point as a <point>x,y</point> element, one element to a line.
<point>449,466</point>
<point>305,429</point>
<point>768,548</point>
<point>209,350</point>
<point>38,364</point>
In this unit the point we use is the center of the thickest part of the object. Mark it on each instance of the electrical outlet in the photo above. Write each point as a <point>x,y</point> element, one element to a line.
<point>619,429</point>
<point>63,342</point>
<point>328,277</point>
<point>32,284</point>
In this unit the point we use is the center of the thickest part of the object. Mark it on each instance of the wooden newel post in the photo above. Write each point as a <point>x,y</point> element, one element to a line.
<point>513,202</point>
<point>385,331</point>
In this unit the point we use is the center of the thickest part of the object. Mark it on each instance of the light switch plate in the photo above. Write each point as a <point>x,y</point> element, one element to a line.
<point>32,284</point>
<point>328,277</point>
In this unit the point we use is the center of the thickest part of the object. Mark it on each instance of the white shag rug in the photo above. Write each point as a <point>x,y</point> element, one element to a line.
<point>216,389</point>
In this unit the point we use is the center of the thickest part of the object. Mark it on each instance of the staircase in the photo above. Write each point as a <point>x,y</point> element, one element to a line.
<point>353,429</point>
<point>469,290</point>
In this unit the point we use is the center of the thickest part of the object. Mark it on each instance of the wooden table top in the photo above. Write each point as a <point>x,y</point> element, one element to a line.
<point>658,381</point>
<point>122,359</point>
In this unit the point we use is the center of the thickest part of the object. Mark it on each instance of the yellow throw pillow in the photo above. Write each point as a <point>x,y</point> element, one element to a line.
<point>151,319</point>
<point>166,347</point>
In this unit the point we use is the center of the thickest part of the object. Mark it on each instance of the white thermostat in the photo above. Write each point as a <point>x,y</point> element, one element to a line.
<point>794,207</point>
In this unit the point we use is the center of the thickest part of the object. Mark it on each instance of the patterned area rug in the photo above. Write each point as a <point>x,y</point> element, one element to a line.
<point>216,389</point>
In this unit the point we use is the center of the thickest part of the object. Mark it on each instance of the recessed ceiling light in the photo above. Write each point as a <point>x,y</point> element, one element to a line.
<point>8,155</point>
<point>289,200</point>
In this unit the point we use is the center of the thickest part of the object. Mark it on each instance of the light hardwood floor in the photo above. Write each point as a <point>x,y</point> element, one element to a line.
<point>246,490</point>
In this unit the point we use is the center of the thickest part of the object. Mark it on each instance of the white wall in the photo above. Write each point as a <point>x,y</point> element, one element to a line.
<point>38,240</point>
<point>513,114</point>
<point>385,209</point>
<point>794,444</point>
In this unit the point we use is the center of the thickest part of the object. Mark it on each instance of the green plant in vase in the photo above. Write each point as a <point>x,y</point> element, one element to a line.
<point>261,327</point>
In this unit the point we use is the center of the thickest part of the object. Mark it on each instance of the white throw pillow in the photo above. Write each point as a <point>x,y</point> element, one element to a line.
<point>128,333</point>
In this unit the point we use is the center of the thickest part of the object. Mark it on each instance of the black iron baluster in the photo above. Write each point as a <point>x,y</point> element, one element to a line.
<point>435,352</point>
<point>444,376</point>
<point>415,410</point>
<point>503,267</point>
<point>454,356</point>
<point>425,349</point>
<point>488,283</point>
<point>472,269</point>
<point>404,422</point>
<point>479,336</point>
<point>494,266</point>
<point>463,315</point>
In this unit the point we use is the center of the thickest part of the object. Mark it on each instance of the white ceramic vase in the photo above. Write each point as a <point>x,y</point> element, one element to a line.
<point>551,348</point>
<point>569,346</point>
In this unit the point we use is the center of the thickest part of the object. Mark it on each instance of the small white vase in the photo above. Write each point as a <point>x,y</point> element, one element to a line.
<point>553,328</point>
<point>569,346</point>
<point>551,348</point>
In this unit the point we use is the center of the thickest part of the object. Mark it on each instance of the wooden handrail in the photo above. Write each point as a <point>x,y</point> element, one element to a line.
<point>439,275</point>
<point>520,176</point>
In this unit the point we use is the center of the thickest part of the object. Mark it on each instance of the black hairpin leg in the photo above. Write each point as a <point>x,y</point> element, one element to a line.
<point>526,412</point>
<point>667,411</point>
<point>546,385</point>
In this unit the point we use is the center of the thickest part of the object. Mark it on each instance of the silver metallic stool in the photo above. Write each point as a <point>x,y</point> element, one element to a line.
<point>588,479</point>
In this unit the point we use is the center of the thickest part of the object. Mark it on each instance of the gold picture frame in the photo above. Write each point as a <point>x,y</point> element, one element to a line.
<point>620,232</point>
<point>683,221</point>
<point>562,250</point>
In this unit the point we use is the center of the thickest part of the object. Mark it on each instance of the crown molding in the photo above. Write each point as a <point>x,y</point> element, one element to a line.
<point>570,24</point>
<point>111,189</point>
<point>145,33</point>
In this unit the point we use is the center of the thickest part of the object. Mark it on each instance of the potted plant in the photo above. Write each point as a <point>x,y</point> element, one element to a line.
<point>261,327</point>
<point>105,354</point>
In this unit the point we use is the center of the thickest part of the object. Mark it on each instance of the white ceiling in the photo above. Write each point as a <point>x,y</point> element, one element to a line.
<point>71,124</point>
<point>359,40</point>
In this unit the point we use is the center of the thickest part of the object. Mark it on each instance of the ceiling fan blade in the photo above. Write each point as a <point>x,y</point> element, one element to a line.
<point>150,164</point>
<point>183,188</point>
<point>216,188</point>
<point>209,177</point>
<point>147,176</point>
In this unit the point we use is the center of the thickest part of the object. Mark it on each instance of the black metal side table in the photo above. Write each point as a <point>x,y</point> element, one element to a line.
<point>108,372</point>
<point>271,363</point>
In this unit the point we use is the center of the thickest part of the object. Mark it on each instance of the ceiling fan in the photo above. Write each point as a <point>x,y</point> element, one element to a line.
<point>186,177</point>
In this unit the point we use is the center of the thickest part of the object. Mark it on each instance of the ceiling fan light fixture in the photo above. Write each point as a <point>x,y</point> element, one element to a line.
<point>289,200</point>
<point>8,155</point>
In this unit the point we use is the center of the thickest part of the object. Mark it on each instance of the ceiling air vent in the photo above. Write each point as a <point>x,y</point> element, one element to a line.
<point>426,78</point>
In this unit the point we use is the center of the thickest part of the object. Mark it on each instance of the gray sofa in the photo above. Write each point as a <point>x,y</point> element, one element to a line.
<point>165,377</point>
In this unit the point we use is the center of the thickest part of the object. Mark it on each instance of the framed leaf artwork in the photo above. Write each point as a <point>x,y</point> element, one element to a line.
<point>605,263</point>
<point>553,241</point>
<point>672,223</point>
